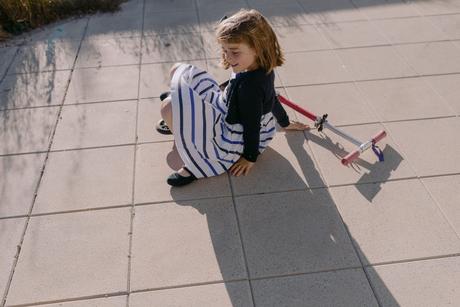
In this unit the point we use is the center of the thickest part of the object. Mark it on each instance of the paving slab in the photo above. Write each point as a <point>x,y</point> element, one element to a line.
<point>292,233</point>
<point>68,29</point>
<point>428,153</point>
<point>168,5</point>
<point>198,242</point>
<point>343,103</point>
<point>352,34</point>
<point>425,59</point>
<point>400,222</point>
<point>390,9</point>
<point>103,84</point>
<point>149,115</point>
<point>172,48</point>
<point>301,37</point>
<point>436,7</point>
<point>338,288</point>
<point>288,162</point>
<point>449,24</point>
<point>331,11</point>
<point>7,55</point>
<point>104,25</point>
<point>10,238</point>
<point>171,22</point>
<point>404,99</point>
<point>328,149</point>
<point>288,13</point>
<point>375,63</point>
<point>430,282</point>
<point>448,87</point>
<point>155,162</point>
<point>85,179</point>
<point>33,90</point>
<point>109,51</point>
<point>75,255</point>
<point>18,183</point>
<point>230,294</point>
<point>315,67</point>
<point>45,56</point>
<point>27,130</point>
<point>96,124</point>
<point>444,191</point>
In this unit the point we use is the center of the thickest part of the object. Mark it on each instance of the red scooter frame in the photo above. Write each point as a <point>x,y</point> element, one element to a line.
<point>321,122</point>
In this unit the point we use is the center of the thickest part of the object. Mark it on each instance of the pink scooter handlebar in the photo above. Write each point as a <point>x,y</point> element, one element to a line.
<point>355,154</point>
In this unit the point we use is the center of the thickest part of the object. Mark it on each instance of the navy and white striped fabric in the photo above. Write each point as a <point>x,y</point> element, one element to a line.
<point>207,144</point>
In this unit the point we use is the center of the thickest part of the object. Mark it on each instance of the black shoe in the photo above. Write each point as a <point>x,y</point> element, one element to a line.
<point>164,95</point>
<point>162,127</point>
<point>177,180</point>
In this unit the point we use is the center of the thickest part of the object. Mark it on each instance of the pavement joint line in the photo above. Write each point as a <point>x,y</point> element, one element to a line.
<point>26,224</point>
<point>133,189</point>
<point>73,299</point>
<point>411,260</point>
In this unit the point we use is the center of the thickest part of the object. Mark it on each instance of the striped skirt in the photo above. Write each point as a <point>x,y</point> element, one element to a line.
<point>207,144</point>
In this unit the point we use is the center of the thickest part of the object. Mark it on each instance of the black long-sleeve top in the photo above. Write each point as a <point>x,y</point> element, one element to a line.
<point>250,95</point>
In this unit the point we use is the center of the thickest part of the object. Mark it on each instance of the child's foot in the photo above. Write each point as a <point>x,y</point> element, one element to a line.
<point>162,127</point>
<point>180,178</point>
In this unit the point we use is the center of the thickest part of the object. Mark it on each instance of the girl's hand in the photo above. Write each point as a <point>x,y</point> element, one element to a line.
<point>241,167</point>
<point>296,126</point>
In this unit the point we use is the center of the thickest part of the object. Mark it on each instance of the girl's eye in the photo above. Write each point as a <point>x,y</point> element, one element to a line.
<point>235,53</point>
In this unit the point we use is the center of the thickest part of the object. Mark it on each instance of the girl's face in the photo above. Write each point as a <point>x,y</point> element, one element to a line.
<point>240,56</point>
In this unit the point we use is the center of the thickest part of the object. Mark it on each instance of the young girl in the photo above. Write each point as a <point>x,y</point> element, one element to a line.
<point>219,130</point>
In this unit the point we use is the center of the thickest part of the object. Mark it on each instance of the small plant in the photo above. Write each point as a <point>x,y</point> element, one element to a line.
<point>17,16</point>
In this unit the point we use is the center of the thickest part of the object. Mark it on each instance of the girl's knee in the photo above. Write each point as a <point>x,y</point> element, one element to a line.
<point>173,69</point>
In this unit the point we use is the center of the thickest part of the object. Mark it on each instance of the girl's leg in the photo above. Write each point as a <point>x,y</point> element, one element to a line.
<point>166,112</point>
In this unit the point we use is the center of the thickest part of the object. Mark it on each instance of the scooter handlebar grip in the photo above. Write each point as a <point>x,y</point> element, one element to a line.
<point>379,136</point>
<point>351,157</point>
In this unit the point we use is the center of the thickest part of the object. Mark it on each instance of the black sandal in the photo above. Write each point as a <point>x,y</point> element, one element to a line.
<point>165,95</point>
<point>177,180</point>
<point>162,127</point>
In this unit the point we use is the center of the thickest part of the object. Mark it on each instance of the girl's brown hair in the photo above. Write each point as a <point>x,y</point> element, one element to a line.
<point>251,27</point>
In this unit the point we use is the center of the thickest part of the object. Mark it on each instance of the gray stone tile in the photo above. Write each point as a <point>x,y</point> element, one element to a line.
<point>114,301</point>
<point>103,84</point>
<point>234,294</point>
<point>449,24</point>
<point>149,115</point>
<point>352,34</point>
<point>375,63</point>
<point>394,221</point>
<point>288,13</point>
<point>171,22</point>
<point>67,29</point>
<point>27,130</point>
<point>155,78</point>
<point>426,151</point>
<point>329,149</point>
<point>342,102</point>
<point>389,9</point>
<point>20,176</point>
<point>313,68</point>
<point>291,233</point>
<point>445,191</point>
<point>410,30</point>
<point>155,162</point>
<point>168,5</point>
<point>199,242</point>
<point>33,90</point>
<point>287,164</point>
<point>82,179</point>
<point>97,124</point>
<point>425,57</point>
<point>7,56</point>
<point>72,255</point>
<point>109,51</point>
<point>301,38</point>
<point>448,86</point>
<point>172,47</point>
<point>103,25</point>
<point>45,56</point>
<point>10,237</point>
<point>340,288</point>
<point>422,283</point>
<point>436,7</point>
<point>212,11</point>
<point>331,11</point>
<point>402,99</point>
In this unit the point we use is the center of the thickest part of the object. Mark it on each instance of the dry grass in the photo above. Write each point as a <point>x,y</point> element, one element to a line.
<point>17,16</point>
